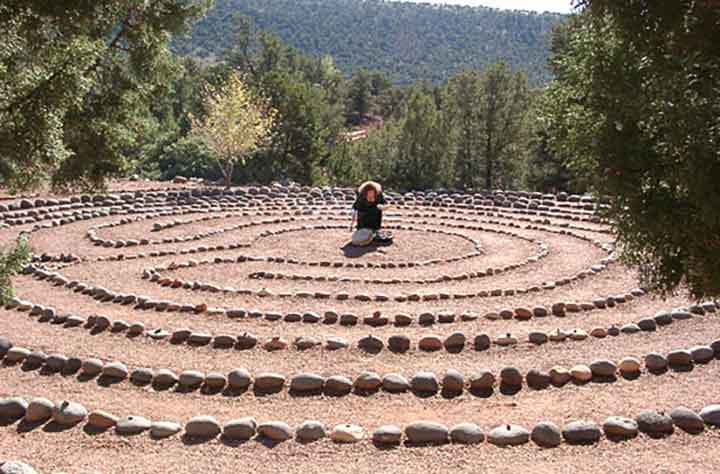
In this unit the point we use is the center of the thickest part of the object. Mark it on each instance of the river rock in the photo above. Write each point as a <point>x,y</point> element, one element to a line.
<point>620,427</point>
<point>164,429</point>
<point>338,385</point>
<point>581,432</point>
<point>508,435</point>
<point>395,383</point>
<point>310,431</point>
<point>39,409</point>
<point>654,423</point>
<point>275,430</point>
<point>466,433</point>
<point>269,382</point>
<point>546,435</point>
<point>306,383</point>
<point>347,433</point>
<point>101,420</point>
<point>240,429</point>
<point>426,432</point>
<point>203,427</point>
<point>711,415</point>
<point>12,408</point>
<point>132,425</point>
<point>387,435</point>
<point>368,381</point>
<point>687,420</point>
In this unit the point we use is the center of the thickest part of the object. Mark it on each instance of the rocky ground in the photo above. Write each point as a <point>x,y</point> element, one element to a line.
<point>487,311</point>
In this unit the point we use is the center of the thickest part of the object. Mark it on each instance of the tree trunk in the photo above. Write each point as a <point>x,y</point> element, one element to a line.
<point>227,173</point>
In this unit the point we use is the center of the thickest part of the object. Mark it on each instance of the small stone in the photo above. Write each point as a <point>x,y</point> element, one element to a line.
<point>395,383</point>
<point>647,324</point>
<point>191,378</point>
<point>115,370</point>
<point>142,376</point>
<point>578,335</point>
<point>165,378</point>
<point>523,314</point>
<point>680,358</point>
<point>371,343</point>
<point>603,368</point>
<point>269,382</point>
<point>16,467</point>
<point>275,430</point>
<point>39,409</point>
<point>387,435</point>
<point>368,381</point>
<point>101,420</point>
<point>215,380</point>
<point>276,344</point>
<point>656,362</point>
<point>132,425</point>
<point>482,342</point>
<point>68,413</point>
<point>164,429</point>
<point>559,376</point>
<point>424,382</point>
<point>240,429</point>
<point>506,340</point>
<point>310,431</point>
<point>687,420</point>
<point>538,380</point>
<point>203,427</point>
<point>629,365</point>
<point>508,435</point>
<point>466,433</point>
<point>455,342</point>
<point>403,319</point>
<point>246,341</point>
<point>12,408</point>
<point>482,380</point>
<point>92,367</point>
<point>239,379</point>
<point>581,373</point>
<point>702,354</point>
<point>711,415</point>
<point>347,433</point>
<point>307,382</point>
<point>599,332</point>
<point>453,381</point>
<point>16,355</point>
<point>334,343</point>
<point>399,343</point>
<point>537,337</point>
<point>511,376</point>
<point>426,432</point>
<point>620,427</point>
<point>430,343</point>
<point>546,435</point>
<point>581,432</point>
<point>338,385</point>
<point>630,328</point>
<point>303,343</point>
<point>654,423</point>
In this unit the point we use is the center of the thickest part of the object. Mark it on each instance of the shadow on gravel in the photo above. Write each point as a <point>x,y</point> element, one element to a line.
<point>94,430</point>
<point>234,392</point>
<point>233,443</point>
<point>195,440</point>
<point>482,392</point>
<point>26,426</point>
<point>54,427</point>
<point>85,377</point>
<point>267,442</point>
<point>8,420</point>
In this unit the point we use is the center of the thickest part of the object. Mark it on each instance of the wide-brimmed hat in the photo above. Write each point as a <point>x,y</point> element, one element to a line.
<point>363,237</point>
<point>370,184</point>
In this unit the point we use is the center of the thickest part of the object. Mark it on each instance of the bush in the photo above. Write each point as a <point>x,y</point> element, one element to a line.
<point>11,262</point>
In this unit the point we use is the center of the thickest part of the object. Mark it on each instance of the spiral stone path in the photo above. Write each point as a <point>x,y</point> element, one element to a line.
<point>198,330</point>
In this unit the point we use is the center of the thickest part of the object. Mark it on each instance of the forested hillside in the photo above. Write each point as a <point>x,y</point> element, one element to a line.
<point>407,41</point>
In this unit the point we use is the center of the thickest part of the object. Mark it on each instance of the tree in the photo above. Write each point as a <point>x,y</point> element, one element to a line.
<point>11,262</point>
<point>502,109</point>
<point>487,113</point>
<point>235,124</point>
<point>636,110</point>
<point>421,160</point>
<point>76,81</point>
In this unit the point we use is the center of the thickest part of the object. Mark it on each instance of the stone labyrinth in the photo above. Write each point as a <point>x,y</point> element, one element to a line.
<point>202,316</point>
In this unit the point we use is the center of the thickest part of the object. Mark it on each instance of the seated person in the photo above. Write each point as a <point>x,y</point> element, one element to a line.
<point>369,215</point>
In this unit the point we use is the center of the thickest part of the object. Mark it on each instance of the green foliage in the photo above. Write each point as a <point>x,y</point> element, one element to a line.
<point>636,110</point>
<point>486,113</point>
<point>407,41</point>
<point>76,83</point>
<point>11,262</point>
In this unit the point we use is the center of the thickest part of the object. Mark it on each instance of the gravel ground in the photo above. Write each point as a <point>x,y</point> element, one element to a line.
<point>75,451</point>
